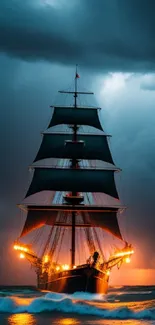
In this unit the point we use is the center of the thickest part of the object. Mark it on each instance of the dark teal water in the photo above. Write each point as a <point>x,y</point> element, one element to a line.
<point>123,305</point>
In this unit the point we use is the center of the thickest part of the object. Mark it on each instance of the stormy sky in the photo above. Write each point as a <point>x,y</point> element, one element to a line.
<point>113,43</point>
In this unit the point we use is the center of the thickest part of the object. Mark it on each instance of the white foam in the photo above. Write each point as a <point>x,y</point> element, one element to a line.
<point>77,296</point>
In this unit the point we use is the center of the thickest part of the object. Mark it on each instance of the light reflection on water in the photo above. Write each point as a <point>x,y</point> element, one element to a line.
<point>69,321</point>
<point>22,319</point>
<point>29,319</point>
<point>94,321</point>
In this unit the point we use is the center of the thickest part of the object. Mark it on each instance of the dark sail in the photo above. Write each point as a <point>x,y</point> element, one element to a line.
<point>107,221</point>
<point>78,116</point>
<point>36,219</point>
<point>43,215</point>
<point>77,180</point>
<point>94,146</point>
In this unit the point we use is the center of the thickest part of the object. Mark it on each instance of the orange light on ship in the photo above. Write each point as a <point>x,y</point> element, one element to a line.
<point>20,248</point>
<point>65,267</point>
<point>22,255</point>
<point>127,260</point>
<point>46,259</point>
<point>121,254</point>
<point>108,272</point>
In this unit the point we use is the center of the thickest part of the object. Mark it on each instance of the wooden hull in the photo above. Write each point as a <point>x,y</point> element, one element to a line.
<point>83,279</point>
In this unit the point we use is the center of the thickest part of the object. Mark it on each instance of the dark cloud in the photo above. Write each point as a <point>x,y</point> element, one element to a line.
<point>103,34</point>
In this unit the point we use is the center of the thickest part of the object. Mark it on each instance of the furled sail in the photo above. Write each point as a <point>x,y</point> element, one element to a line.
<point>77,180</point>
<point>70,208</point>
<point>94,146</point>
<point>79,116</point>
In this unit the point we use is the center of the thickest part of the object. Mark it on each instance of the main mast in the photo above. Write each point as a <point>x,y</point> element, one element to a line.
<point>74,198</point>
<point>74,165</point>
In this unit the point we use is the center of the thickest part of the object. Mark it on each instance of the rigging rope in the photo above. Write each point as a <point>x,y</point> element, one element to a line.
<point>85,247</point>
<point>79,244</point>
<point>88,234</point>
<point>62,218</point>
<point>55,240</point>
<point>48,241</point>
<point>62,236</point>
<point>37,236</point>
<point>94,231</point>
<point>98,243</point>
<point>42,241</point>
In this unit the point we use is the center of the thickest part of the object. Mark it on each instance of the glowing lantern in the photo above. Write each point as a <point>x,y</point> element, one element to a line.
<point>20,248</point>
<point>127,260</point>
<point>22,255</point>
<point>65,267</point>
<point>46,259</point>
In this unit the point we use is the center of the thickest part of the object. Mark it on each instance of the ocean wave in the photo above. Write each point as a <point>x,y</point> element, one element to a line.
<point>53,302</point>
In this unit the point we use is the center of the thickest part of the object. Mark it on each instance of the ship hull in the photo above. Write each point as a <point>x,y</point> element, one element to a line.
<point>85,279</point>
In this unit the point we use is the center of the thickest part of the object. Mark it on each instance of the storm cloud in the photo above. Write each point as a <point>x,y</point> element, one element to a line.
<point>110,35</point>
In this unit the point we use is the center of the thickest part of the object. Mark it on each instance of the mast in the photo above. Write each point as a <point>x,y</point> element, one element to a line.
<point>74,165</point>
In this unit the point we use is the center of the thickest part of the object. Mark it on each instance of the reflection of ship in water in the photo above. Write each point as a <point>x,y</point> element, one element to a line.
<point>81,169</point>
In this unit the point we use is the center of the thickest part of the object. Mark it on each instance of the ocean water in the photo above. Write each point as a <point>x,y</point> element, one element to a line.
<point>121,306</point>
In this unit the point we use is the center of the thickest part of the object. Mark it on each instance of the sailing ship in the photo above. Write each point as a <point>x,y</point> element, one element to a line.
<point>81,170</point>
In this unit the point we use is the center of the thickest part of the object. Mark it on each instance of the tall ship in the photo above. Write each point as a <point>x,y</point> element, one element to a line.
<point>75,228</point>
